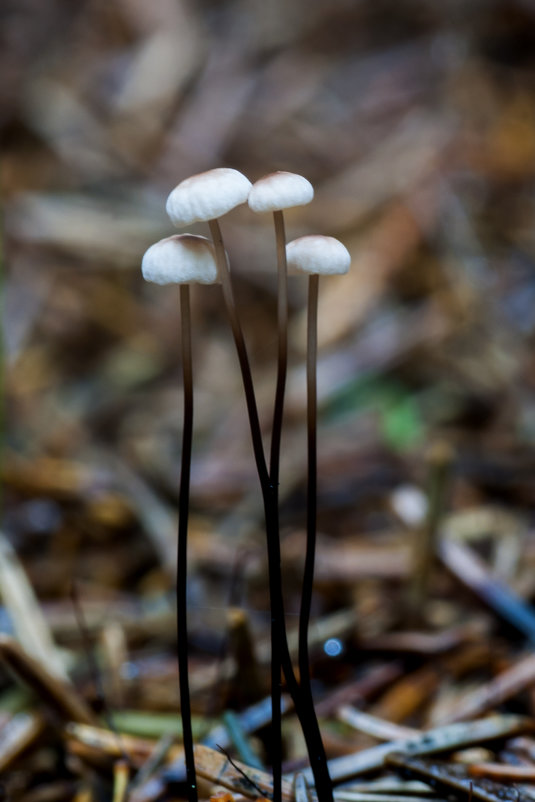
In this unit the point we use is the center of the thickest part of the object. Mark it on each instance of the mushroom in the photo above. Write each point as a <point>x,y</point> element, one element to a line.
<point>313,255</point>
<point>317,255</point>
<point>205,197</point>
<point>280,190</point>
<point>274,193</point>
<point>183,259</point>
<point>180,259</point>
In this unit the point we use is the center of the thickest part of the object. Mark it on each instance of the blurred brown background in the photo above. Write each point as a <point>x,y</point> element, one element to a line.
<point>415,121</point>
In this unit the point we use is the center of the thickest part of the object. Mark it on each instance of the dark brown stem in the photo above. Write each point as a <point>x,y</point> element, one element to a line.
<point>228,296</point>
<point>280,654</point>
<point>182,554</point>
<point>312,413</point>
<point>282,355</point>
<point>278,632</point>
<point>318,759</point>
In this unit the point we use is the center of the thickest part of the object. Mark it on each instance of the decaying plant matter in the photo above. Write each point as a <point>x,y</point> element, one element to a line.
<point>415,123</point>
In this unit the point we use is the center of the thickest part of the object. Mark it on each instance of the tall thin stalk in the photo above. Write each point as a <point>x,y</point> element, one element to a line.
<point>280,654</point>
<point>282,348</point>
<point>181,568</point>
<point>306,711</point>
<point>278,635</point>
<point>320,768</point>
<point>312,472</point>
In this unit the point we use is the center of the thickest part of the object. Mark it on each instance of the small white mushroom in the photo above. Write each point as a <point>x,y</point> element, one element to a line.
<point>180,259</point>
<point>183,259</point>
<point>206,196</point>
<point>313,256</point>
<point>274,193</point>
<point>317,255</point>
<point>280,190</point>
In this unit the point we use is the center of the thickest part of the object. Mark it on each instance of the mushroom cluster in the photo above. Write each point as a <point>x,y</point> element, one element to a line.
<point>184,259</point>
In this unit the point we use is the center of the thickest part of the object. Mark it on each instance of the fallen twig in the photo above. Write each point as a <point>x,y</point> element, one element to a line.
<point>441,739</point>
<point>56,694</point>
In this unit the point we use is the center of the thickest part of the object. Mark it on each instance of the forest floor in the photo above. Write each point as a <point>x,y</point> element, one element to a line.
<point>415,122</point>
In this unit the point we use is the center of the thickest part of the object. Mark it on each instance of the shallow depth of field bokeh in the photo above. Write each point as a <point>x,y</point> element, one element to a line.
<point>415,122</point>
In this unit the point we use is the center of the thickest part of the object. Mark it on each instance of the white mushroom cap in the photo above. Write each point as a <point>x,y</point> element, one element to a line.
<point>278,191</point>
<point>180,259</point>
<point>315,254</point>
<point>206,196</point>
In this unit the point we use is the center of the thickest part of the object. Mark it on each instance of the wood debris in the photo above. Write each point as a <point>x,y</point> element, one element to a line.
<point>415,124</point>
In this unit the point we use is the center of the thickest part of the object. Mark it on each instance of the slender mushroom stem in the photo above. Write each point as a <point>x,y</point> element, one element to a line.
<point>312,413</point>
<point>320,768</point>
<point>282,355</point>
<point>278,632</point>
<point>181,572</point>
<point>243,358</point>
<point>306,712</point>
<point>280,654</point>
